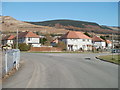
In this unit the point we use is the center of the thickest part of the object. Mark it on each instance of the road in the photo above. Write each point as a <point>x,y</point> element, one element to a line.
<point>63,70</point>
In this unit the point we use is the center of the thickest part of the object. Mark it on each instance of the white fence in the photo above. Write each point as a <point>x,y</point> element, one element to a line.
<point>11,59</point>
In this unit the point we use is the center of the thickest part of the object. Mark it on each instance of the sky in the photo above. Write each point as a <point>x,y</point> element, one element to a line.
<point>60,0</point>
<point>103,13</point>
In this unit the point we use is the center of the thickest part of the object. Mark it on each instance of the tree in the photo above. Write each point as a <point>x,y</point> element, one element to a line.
<point>103,37</point>
<point>43,40</point>
<point>86,33</point>
<point>49,39</point>
<point>37,32</point>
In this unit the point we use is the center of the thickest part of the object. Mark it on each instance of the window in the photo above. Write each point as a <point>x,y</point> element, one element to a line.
<point>83,39</point>
<point>28,39</point>
<point>88,40</point>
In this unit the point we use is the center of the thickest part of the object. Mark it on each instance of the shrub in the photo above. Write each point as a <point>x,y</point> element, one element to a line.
<point>43,40</point>
<point>61,45</point>
<point>24,47</point>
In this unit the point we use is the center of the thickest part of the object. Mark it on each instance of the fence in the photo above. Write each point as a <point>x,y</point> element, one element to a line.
<point>11,59</point>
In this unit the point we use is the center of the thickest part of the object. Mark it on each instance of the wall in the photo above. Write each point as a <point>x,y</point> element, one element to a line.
<point>10,42</point>
<point>100,44</point>
<point>32,40</point>
<point>10,59</point>
<point>45,49</point>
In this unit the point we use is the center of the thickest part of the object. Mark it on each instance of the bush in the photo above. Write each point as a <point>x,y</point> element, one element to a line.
<point>43,40</point>
<point>24,47</point>
<point>61,45</point>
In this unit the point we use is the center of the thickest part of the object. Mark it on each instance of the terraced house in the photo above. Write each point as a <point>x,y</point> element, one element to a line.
<point>75,40</point>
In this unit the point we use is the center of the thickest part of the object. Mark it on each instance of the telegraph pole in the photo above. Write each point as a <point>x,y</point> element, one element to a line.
<point>112,47</point>
<point>17,40</point>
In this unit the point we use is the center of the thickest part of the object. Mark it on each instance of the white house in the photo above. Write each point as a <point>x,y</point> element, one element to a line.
<point>8,40</point>
<point>29,38</point>
<point>108,44</point>
<point>98,42</point>
<point>75,40</point>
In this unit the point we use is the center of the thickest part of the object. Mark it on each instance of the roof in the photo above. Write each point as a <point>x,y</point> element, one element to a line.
<point>97,39</point>
<point>55,41</point>
<point>27,34</point>
<point>75,35</point>
<point>9,37</point>
<point>108,42</point>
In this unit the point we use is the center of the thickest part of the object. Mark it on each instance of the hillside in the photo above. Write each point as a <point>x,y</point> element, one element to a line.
<point>114,28</point>
<point>9,24</point>
<point>77,26</point>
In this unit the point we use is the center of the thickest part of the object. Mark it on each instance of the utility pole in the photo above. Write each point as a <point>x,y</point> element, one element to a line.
<point>17,40</point>
<point>112,47</point>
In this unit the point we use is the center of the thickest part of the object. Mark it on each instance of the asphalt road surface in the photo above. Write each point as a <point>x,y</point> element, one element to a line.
<point>59,70</point>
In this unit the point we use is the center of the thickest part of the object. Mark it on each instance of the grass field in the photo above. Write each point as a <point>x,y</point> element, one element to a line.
<point>114,59</point>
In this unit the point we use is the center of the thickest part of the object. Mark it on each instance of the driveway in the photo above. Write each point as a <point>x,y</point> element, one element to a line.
<point>63,70</point>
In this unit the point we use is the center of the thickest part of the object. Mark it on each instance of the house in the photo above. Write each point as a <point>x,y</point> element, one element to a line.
<point>76,40</point>
<point>29,38</point>
<point>98,43</point>
<point>55,42</point>
<point>108,44</point>
<point>8,40</point>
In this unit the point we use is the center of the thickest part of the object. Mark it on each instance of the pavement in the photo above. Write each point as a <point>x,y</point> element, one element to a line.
<point>0,69</point>
<point>63,70</point>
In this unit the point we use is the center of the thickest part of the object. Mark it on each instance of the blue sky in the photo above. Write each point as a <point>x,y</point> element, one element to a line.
<point>103,13</point>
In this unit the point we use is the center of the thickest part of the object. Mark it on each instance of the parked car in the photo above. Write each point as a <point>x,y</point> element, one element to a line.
<point>115,50</point>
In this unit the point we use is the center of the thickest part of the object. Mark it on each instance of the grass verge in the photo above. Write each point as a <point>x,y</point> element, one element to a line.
<point>58,52</point>
<point>109,58</point>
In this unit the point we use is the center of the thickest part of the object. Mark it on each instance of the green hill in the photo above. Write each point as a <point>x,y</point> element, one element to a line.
<point>64,23</point>
<point>76,26</point>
